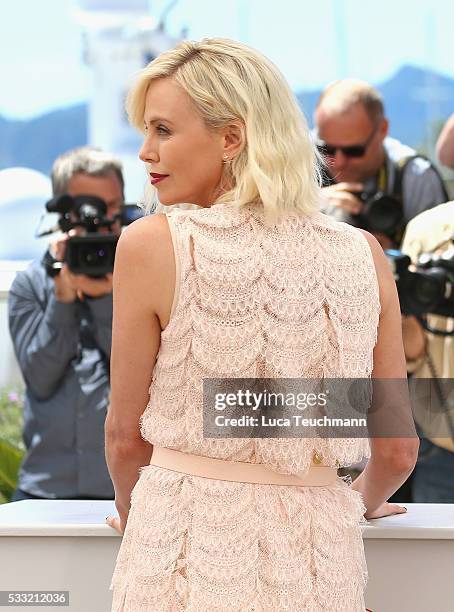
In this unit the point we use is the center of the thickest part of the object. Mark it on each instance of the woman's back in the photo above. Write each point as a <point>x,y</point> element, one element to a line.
<point>295,300</point>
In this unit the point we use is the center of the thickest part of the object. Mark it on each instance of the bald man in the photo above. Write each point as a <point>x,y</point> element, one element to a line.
<point>352,135</point>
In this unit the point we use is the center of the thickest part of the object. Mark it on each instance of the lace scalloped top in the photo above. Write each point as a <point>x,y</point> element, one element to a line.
<point>298,299</point>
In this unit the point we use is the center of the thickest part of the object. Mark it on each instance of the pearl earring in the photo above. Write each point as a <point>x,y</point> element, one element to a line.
<point>225,158</point>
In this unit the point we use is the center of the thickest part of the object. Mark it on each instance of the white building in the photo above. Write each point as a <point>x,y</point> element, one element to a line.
<point>120,38</point>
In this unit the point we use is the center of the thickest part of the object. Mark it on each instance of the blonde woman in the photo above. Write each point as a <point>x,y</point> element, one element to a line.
<point>255,284</point>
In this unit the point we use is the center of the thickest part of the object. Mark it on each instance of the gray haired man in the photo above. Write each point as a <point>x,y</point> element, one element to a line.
<point>61,329</point>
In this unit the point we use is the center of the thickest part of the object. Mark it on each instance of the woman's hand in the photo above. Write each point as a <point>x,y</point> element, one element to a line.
<point>116,523</point>
<point>119,522</point>
<point>386,509</point>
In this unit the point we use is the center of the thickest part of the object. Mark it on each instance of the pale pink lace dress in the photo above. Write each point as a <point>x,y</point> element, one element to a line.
<point>296,300</point>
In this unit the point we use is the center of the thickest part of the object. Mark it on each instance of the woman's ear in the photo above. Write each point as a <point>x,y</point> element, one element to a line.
<point>234,139</point>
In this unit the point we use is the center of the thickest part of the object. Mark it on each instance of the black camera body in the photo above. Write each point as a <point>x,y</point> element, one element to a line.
<point>430,288</point>
<point>92,254</point>
<point>382,214</point>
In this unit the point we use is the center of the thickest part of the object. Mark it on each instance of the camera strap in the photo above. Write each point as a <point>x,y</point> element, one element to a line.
<point>396,189</point>
<point>382,181</point>
<point>400,170</point>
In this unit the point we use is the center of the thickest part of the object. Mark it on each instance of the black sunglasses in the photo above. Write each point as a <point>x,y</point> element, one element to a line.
<point>349,151</point>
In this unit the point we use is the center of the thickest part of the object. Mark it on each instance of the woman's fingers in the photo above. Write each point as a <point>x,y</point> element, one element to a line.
<point>114,522</point>
<point>387,509</point>
<point>395,509</point>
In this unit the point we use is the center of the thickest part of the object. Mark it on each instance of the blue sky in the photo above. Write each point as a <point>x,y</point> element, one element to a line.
<point>313,42</point>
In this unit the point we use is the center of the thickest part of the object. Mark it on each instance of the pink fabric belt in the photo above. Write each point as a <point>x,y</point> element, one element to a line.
<point>239,471</point>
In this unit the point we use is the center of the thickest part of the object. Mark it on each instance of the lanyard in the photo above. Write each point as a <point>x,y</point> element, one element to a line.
<point>382,181</point>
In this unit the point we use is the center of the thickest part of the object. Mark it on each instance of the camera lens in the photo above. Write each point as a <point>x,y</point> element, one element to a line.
<point>92,256</point>
<point>384,215</point>
<point>428,289</point>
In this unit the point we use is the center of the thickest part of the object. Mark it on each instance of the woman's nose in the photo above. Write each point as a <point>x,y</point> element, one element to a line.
<point>147,152</point>
<point>142,155</point>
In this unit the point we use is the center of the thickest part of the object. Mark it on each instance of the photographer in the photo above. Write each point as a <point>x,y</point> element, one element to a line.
<point>373,182</point>
<point>432,232</point>
<point>60,323</point>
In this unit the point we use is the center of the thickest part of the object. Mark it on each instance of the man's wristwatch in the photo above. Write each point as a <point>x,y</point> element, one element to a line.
<point>52,265</point>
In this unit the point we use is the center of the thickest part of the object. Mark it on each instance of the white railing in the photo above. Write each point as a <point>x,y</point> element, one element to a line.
<point>66,546</point>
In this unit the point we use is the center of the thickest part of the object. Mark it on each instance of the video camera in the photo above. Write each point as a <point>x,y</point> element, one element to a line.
<point>92,254</point>
<point>429,289</point>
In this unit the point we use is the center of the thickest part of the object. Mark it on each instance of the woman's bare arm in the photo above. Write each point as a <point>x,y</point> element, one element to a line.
<point>144,281</point>
<point>392,459</point>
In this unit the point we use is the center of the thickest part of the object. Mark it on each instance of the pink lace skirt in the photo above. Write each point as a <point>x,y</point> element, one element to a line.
<point>195,544</point>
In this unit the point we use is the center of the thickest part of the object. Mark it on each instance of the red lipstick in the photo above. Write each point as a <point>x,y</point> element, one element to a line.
<point>157,178</point>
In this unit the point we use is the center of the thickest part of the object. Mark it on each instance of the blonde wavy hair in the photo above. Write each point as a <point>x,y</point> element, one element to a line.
<point>228,81</point>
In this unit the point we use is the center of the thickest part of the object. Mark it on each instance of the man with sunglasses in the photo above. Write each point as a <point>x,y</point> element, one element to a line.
<point>362,161</point>
<point>363,164</point>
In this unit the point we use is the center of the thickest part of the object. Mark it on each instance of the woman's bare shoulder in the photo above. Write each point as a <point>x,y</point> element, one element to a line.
<point>383,270</point>
<point>145,265</point>
<point>150,225</point>
<point>148,236</point>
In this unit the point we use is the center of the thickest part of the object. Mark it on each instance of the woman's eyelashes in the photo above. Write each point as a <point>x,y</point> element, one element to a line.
<point>159,129</point>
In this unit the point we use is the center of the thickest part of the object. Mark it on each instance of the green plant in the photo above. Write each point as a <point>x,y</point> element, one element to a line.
<point>11,445</point>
